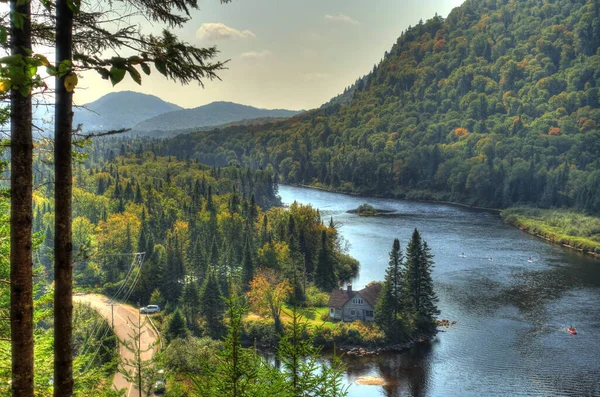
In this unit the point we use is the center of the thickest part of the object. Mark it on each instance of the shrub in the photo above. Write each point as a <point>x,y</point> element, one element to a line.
<point>316,298</point>
<point>261,331</point>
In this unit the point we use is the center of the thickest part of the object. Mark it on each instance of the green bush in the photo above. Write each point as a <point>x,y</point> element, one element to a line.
<point>316,298</point>
<point>261,331</point>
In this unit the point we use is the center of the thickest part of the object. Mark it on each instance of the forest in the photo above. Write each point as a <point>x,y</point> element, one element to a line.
<point>206,234</point>
<point>496,105</point>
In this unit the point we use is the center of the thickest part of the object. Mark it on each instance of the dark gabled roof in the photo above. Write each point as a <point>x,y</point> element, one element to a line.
<point>339,297</point>
<point>371,293</point>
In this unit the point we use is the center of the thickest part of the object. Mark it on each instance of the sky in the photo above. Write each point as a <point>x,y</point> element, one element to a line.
<point>286,54</point>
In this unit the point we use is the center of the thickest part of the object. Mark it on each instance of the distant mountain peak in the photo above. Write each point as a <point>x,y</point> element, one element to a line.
<point>121,109</point>
<point>212,114</point>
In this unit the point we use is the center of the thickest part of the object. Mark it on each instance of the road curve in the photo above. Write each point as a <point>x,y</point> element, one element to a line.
<point>124,317</point>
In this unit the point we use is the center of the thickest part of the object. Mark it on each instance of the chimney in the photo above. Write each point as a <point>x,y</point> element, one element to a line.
<point>349,286</point>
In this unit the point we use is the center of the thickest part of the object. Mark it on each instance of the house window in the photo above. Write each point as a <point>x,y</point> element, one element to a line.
<point>352,312</point>
<point>369,313</point>
<point>358,301</point>
<point>332,311</point>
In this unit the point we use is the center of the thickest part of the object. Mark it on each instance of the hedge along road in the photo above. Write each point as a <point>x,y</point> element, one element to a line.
<point>125,317</point>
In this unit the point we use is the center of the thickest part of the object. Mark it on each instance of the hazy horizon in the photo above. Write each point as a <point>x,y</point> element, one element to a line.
<point>296,55</point>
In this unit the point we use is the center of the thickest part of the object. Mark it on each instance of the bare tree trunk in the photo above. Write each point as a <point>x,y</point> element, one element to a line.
<point>21,219</point>
<point>63,241</point>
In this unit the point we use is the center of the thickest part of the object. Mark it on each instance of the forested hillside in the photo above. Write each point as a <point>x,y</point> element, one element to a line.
<point>190,219</point>
<point>205,233</point>
<point>495,105</point>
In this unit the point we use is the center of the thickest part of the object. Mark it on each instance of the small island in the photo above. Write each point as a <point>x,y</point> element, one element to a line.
<point>369,210</point>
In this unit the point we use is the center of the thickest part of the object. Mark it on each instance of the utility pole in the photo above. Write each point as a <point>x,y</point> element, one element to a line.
<point>112,313</point>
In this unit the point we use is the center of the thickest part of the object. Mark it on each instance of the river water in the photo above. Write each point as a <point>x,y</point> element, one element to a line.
<point>512,312</point>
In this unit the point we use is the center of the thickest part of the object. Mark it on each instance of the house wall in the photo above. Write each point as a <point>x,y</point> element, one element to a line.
<point>359,310</point>
<point>335,314</point>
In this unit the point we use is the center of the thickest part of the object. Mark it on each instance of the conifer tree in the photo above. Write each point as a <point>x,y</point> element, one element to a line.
<point>176,328</point>
<point>190,300</point>
<point>247,265</point>
<point>325,276</point>
<point>211,304</point>
<point>141,373</point>
<point>390,304</point>
<point>239,372</point>
<point>421,298</point>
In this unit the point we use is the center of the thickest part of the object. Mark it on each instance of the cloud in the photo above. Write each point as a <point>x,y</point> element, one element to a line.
<point>256,55</point>
<point>341,18</point>
<point>220,31</point>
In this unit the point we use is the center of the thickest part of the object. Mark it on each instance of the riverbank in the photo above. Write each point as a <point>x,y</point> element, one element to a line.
<point>355,338</point>
<point>420,197</point>
<point>566,228</point>
<point>548,225</point>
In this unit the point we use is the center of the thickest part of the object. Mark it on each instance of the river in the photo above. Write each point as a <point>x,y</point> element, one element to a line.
<point>512,312</point>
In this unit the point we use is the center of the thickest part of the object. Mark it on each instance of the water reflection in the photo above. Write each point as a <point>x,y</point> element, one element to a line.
<point>510,338</point>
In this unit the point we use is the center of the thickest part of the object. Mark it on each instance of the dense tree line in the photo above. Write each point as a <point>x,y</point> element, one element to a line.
<point>496,105</point>
<point>204,230</point>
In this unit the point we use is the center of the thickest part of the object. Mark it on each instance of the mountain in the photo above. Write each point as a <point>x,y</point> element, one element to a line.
<point>213,114</point>
<point>122,109</point>
<point>496,105</point>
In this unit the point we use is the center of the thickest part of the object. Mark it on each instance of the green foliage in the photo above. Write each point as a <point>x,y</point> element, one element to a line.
<point>325,275</point>
<point>212,306</point>
<point>420,297</point>
<point>186,356</point>
<point>239,371</point>
<point>190,302</point>
<point>366,210</point>
<point>176,328</point>
<point>302,368</point>
<point>558,226</point>
<point>316,297</point>
<point>496,105</point>
<point>142,373</point>
<point>390,310</point>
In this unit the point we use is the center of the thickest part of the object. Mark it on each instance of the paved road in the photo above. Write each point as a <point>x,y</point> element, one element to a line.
<point>124,316</point>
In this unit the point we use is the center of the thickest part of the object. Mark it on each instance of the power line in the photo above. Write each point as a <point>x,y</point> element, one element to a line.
<point>97,328</point>
<point>140,262</point>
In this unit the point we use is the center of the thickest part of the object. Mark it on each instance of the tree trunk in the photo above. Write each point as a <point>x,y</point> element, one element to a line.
<point>21,218</point>
<point>63,242</point>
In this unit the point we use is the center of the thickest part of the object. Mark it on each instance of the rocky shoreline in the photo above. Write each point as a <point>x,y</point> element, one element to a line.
<point>360,351</point>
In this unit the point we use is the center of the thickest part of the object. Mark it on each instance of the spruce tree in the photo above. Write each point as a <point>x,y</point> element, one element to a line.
<point>325,277</point>
<point>176,328</point>
<point>390,304</point>
<point>421,298</point>
<point>247,266</point>
<point>190,299</point>
<point>211,304</point>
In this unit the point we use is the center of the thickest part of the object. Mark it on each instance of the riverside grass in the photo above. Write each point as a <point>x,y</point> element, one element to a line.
<point>560,226</point>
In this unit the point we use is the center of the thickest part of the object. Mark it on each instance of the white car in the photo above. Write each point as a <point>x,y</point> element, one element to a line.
<point>150,309</point>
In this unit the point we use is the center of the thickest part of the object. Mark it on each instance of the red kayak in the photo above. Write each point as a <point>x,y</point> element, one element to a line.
<point>572,331</point>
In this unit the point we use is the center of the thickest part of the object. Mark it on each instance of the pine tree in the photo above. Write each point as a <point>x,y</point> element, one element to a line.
<point>390,305</point>
<point>211,304</point>
<point>176,328</point>
<point>190,300</point>
<point>214,253</point>
<point>247,265</point>
<point>421,298</point>
<point>141,373</point>
<point>239,372</point>
<point>325,277</point>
